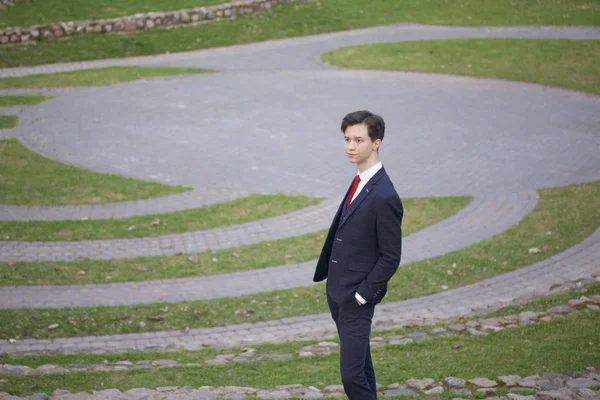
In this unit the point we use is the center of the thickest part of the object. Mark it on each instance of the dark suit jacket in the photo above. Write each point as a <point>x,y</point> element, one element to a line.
<point>363,247</point>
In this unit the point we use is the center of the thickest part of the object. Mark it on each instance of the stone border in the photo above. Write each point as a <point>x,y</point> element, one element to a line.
<point>136,22</point>
<point>572,385</point>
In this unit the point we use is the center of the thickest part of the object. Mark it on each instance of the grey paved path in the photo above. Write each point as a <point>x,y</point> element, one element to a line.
<point>575,263</point>
<point>263,118</point>
<point>175,202</point>
<point>296,223</point>
<point>307,220</point>
<point>481,219</point>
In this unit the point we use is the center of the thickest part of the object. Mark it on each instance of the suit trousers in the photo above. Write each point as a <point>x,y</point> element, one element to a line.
<point>353,323</point>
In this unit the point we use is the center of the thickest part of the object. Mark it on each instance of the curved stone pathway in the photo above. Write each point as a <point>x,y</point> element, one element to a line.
<point>307,220</point>
<point>578,262</point>
<point>444,138</point>
<point>481,219</point>
<point>485,211</point>
<point>125,209</point>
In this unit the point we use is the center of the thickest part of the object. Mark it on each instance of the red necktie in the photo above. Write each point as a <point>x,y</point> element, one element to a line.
<point>353,190</point>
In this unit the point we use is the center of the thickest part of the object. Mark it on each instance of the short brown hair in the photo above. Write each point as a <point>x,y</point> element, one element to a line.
<point>374,123</point>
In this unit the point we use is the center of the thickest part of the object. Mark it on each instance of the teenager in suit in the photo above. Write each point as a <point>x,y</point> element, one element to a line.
<point>361,252</point>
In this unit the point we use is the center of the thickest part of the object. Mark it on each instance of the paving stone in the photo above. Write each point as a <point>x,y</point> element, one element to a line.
<point>560,309</point>
<point>509,380</point>
<point>166,389</point>
<point>312,395</point>
<point>438,331</point>
<point>562,394</point>
<point>399,392</point>
<point>530,381</point>
<point>334,389</point>
<point>580,383</point>
<point>235,396</point>
<point>60,393</point>
<point>435,390</point>
<point>457,327</point>
<point>205,396</point>
<point>108,393</point>
<point>475,332</point>
<point>417,336</point>
<point>514,396</point>
<point>547,385</point>
<point>276,394</point>
<point>420,384</point>
<point>139,392</point>
<point>455,382</point>
<point>528,315</point>
<point>483,382</point>
<point>587,394</point>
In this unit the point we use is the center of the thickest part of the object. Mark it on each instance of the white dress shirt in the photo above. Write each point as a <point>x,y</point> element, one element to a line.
<point>365,176</point>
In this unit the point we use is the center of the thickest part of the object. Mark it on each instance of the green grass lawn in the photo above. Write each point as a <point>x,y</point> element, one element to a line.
<point>27,13</point>
<point>569,213</point>
<point>27,178</point>
<point>524,351</point>
<point>13,101</point>
<point>94,77</point>
<point>570,64</point>
<point>420,213</point>
<point>7,122</point>
<point>238,211</point>
<point>300,19</point>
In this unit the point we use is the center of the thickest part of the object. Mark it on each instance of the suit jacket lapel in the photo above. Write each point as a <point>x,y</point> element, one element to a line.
<point>340,211</point>
<point>361,196</point>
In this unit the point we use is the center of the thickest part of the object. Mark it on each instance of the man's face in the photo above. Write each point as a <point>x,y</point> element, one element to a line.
<point>358,144</point>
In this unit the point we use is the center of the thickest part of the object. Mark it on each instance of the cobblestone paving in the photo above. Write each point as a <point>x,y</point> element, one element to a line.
<point>577,262</point>
<point>309,219</point>
<point>446,134</point>
<point>482,218</point>
<point>125,209</point>
<point>261,126</point>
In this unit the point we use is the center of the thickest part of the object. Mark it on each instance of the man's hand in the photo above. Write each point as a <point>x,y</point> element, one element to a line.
<point>359,299</point>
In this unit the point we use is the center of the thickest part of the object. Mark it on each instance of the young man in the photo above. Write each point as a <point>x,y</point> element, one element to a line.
<point>361,252</point>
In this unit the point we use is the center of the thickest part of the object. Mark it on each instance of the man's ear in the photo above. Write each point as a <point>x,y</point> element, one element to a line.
<point>376,144</point>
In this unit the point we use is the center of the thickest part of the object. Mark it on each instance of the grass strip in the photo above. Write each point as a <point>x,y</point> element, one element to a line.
<point>238,211</point>
<point>301,19</point>
<point>563,217</point>
<point>420,213</point>
<point>27,13</point>
<point>13,101</point>
<point>569,64</point>
<point>94,77</point>
<point>199,356</point>
<point>29,179</point>
<point>558,347</point>
<point>8,122</point>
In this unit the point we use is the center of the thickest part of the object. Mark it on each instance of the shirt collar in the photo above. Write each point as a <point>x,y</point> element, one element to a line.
<point>366,175</point>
